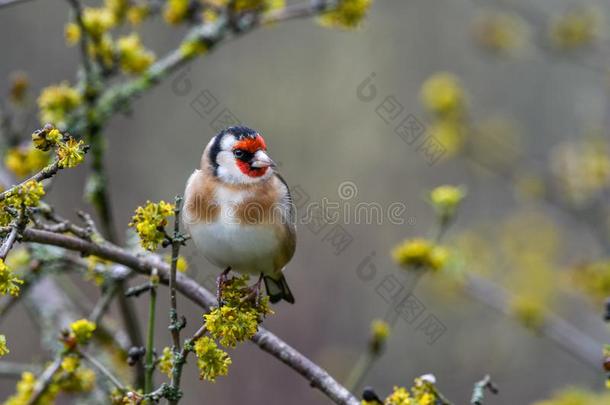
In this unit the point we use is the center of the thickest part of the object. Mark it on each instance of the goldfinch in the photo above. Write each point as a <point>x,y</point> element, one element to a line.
<point>239,212</point>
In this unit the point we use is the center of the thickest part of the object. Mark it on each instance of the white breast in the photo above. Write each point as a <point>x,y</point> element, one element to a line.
<point>226,242</point>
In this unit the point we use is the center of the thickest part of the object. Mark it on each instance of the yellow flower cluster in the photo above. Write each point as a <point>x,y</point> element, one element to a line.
<point>348,14</point>
<point>193,47</point>
<point>423,392</point>
<point>118,8</point>
<point>55,102</point>
<point>78,380</point>
<point>529,311</point>
<point>25,388</point>
<point>442,94</point>
<point>175,11</point>
<point>241,6</point>
<point>134,58</point>
<point>446,200</point>
<point>594,279</point>
<point>421,254</point>
<point>582,168</point>
<point>3,348</point>
<point>238,319</point>
<point>166,362</point>
<point>444,97</point>
<point>137,13</point>
<point>211,361</point>
<point>82,330</point>
<point>149,222</point>
<point>70,153</point>
<point>380,330</point>
<point>103,50</point>
<point>24,161</point>
<point>72,34</point>
<point>9,283</point>
<point>576,28</point>
<point>98,21</point>
<point>501,32</point>
<point>28,194</point>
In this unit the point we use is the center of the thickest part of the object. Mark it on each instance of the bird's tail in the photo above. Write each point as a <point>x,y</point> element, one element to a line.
<point>278,290</point>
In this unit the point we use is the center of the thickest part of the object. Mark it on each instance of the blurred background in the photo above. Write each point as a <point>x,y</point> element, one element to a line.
<point>531,140</point>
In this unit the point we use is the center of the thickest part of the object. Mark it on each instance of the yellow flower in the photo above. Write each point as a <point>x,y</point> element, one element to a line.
<point>3,348</point>
<point>442,94</point>
<point>102,50</point>
<point>118,8</point>
<point>9,283</point>
<point>83,330</point>
<point>175,11</point>
<point>241,6</point>
<point>97,21</point>
<point>133,56</point>
<point>400,396</point>
<point>25,161</point>
<point>445,200</point>
<point>72,33</point>
<point>29,194</point>
<point>193,47</point>
<point>211,361</point>
<point>449,132</point>
<point>166,362</point>
<point>420,254</point>
<point>149,222</point>
<point>348,14</point>
<point>576,28</point>
<point>70,153</point>
<point>530,312</point>
<point>25,388</point>
<point>380,330</point>
<point>69,364</point>
<point>209,15</point>
<point>55,102</point>
<point>136,14</point>
<point>238,319</point>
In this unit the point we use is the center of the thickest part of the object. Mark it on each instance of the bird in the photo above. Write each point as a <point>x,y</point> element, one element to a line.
<point>239,212</point>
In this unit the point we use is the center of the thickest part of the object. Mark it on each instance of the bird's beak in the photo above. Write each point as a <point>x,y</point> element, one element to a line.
<point>261,159</point>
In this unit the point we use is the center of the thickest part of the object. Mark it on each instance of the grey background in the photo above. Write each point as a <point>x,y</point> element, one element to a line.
<point>296,83</point>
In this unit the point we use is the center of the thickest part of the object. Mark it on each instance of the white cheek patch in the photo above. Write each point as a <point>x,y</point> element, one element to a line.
<point>227,142</point>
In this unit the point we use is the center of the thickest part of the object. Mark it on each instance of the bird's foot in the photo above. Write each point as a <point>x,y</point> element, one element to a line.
<point>221,280</point>
<point>253,293</point>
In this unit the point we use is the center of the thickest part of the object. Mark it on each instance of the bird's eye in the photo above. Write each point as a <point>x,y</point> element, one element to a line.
<point>238,153</point>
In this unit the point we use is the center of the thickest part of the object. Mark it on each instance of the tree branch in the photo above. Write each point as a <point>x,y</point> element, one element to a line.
<point>144,264</point>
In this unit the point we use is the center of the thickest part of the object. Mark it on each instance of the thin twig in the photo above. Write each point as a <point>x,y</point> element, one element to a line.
<point>102,369</point>
<point>150,341</point>
<point>174,323</point>
<point>43,382</point>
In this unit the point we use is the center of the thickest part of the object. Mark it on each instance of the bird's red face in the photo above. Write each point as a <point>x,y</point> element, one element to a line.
<point>251,157</point>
